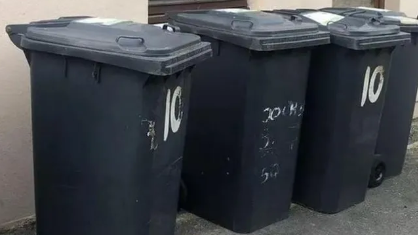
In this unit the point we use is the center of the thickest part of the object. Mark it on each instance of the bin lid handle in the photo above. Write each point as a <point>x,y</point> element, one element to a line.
<point>242,24</point>
<point>376,20</point>
<point>334,22</point>
<point>171,28</point>
<point>130,43</point>
<point>296,18</point>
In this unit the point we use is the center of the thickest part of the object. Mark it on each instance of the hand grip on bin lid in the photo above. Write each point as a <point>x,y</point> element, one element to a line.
<point>242,24</point>
<point>171,28</point>
<point>296,18</point>
<point>131,43</point>
<point>142,47</point>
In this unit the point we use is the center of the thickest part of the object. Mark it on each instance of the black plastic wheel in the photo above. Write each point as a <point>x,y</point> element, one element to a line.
<point>377,175</point>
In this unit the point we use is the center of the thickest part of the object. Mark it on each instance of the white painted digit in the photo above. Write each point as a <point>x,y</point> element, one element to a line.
<point>170,112</point>
<point>365,86</point>
<point>373,96</point>
<point>265,175</point>
<point>369,91</point>
<point>270,173</point>
<point>176,120</point>
<point>167,117</point>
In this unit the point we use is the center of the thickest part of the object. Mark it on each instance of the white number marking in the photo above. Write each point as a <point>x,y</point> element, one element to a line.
<point>170,112</point>
<point>292,109</point>
<point>270,172</point>
<point>369,91</point>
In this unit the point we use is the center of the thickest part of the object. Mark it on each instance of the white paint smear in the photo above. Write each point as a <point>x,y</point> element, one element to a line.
<point>102,21</point>
<point>404,20</point>
<point>323,18</point>
<point>373,9</point>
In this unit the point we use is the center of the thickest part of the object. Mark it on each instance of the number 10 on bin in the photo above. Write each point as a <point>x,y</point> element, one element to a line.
<point>173,121</point>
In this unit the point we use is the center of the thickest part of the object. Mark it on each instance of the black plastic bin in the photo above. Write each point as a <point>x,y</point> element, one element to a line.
<point>400,95</point>
<point>109,109</point>
<point>245,114</point>
<point>344,102</point>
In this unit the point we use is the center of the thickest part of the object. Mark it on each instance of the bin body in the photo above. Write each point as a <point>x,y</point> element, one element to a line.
<point>338,133</point>
<point>104,160</point>
<point>402,89</point>
<point>345,97</point>
<point>243,131</point>
<point>399,108</point>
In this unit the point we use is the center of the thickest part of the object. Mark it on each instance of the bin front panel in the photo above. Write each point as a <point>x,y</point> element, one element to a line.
<point>399,107</point>
<point>214,133</point>
<point>99,147</point>
<point>345,98</point>
<point>246,109</point>
<point>171,123</point>
<point>273,116</point>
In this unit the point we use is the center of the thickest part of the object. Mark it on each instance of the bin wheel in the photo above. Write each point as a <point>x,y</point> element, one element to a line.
<point>377,175</point>
<point>182,196</point>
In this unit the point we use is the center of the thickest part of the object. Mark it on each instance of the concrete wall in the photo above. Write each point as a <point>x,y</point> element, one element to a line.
<point>16,190</point>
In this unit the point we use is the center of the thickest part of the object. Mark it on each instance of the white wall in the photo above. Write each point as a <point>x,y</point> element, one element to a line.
<point>16,190</point>
<point>410,7</point>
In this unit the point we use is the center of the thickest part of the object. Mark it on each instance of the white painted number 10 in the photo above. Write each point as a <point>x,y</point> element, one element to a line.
<point>171,119</point>
<point>370,92</point>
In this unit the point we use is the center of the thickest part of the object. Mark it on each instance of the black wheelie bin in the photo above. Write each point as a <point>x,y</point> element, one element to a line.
<point>345,97</point>
<point>110,100</point>
<point>246,108</point>
<point>400,95</point>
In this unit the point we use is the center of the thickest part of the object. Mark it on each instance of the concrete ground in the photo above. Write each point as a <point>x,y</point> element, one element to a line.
<point>391,209</point>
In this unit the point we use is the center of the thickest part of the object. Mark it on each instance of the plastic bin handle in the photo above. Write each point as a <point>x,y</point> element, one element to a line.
<point>171,28</point>
<point>241,24</point>
<point>333,22</point>
<point>376,20</point>
<point>130,43</point>
<point>296,18</point>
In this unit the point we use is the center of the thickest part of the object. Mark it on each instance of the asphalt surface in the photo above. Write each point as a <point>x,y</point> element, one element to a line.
<point>391,209</point>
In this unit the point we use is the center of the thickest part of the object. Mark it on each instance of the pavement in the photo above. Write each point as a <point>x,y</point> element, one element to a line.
<point>391,209</point>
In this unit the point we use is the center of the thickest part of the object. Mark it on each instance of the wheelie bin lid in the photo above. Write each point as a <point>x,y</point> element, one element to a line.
<point>16,31</point>
<point>389,17</point>
<point>142,47</point>
<point>254,30</point>
<point>351,32</point>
